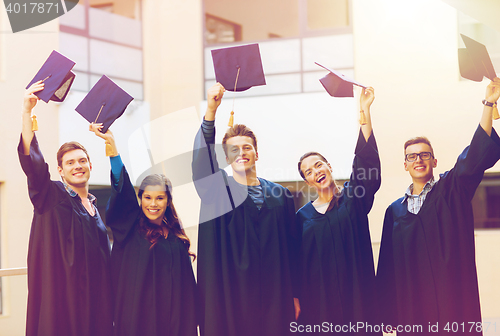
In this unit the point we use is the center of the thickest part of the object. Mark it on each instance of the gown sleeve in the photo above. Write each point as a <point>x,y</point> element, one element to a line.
<point>365,177</point>
<point>294,237</point>
<point>37,171</point>
<point>210,181</point>
<point>123,207</point>
<point>482,154</point>
<point>386,276</point>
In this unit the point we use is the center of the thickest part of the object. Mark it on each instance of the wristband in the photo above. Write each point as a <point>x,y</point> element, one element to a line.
<point>487,103</point>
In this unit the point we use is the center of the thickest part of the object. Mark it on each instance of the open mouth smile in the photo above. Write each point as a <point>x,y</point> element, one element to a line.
<point>321,178</point>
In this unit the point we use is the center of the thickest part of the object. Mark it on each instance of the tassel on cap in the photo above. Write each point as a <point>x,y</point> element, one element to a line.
<point>362,118</point>
<point>109,149</point>
<point>34,123</point>
<point>495,113</point>
<point>231,117</point>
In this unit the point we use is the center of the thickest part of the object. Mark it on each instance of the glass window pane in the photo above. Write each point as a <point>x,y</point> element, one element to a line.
<point>81,82</point>
<point>280,56</point>
<point>76,48</point>
<point>75,18</point>
<point>115,28</point>
<point>115,60</point>
<point>334,51</point>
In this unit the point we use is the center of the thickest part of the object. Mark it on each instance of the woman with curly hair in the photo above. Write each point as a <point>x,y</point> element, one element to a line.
<point>153,281</point>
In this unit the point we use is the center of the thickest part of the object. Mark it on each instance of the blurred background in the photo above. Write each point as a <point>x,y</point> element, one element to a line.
<point>159,52</point>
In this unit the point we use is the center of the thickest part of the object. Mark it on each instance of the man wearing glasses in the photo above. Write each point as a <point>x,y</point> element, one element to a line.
<point>426,272</point>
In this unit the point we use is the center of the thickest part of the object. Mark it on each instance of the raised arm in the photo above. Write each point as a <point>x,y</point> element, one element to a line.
<point>214,98</point>
<point>365,102</point>
<point>108,136</point>
<point>482,153</point>
<point>122,208</point>
<point>29,102</point>
<point>204,156</point>
<point>492,95</point>
<point>365,177</point>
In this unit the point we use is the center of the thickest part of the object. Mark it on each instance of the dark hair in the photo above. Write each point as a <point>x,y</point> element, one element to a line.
<point>170,218</point>
<point>417,140</point>
<point>239,130</point>
<point>306,155</point>
<point>68,147</point>
<point>336,194</point>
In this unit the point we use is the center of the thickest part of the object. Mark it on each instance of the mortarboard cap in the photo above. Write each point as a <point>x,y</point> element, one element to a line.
<point>338,85</point>
<point>105,103</point>
<point>474,61</point>
<point>238,68</point>
<point>57,75</point>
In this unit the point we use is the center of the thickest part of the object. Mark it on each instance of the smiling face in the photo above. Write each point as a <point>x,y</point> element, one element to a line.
<point>420,170</point>
<point>241,154</point>
<point>76,168</point>
<point>317,172</point>
<point>154,202</point>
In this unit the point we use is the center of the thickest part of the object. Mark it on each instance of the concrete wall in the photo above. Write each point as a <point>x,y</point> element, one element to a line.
<point>21,55</point>
<point>173,84</point>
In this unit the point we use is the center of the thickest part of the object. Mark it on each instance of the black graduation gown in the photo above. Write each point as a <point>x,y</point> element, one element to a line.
<point>246,256</point>
<point>427,270</point>
<point>69,290</point>
<point>337,269</point>
<point>154,288</point>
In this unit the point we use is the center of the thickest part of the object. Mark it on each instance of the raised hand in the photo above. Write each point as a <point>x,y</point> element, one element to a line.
<point>30,99</point>
<point>367,97</point>
<point>493,90</point>
<point>108,137</point>
<point>214,98</point>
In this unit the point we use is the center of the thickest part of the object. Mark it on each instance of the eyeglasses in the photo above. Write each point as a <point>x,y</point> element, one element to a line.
<point>412,157</point>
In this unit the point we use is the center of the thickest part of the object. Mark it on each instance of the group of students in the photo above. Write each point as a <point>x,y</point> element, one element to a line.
<point>262,268</point>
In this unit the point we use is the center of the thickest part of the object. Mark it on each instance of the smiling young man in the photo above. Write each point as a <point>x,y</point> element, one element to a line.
<point>248,237</point>
<point>69,290</point>
<point>427,273</point>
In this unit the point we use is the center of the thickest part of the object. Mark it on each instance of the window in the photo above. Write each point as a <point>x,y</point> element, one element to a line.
<point>261,19</point>
<point>104,37</point>
<point>485,202</point>
<point>218,30</point>
<point>292,35</point>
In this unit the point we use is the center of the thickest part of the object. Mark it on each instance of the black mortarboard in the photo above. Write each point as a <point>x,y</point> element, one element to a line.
<point>474,61</point>
<point>239,67</point>
<point>105,103</point>
<point>338,85</point>
<point>57,75</point>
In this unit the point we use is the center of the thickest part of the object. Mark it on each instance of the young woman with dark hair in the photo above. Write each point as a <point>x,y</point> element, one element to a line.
<point>337,271</point>
<point>153,281</point>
